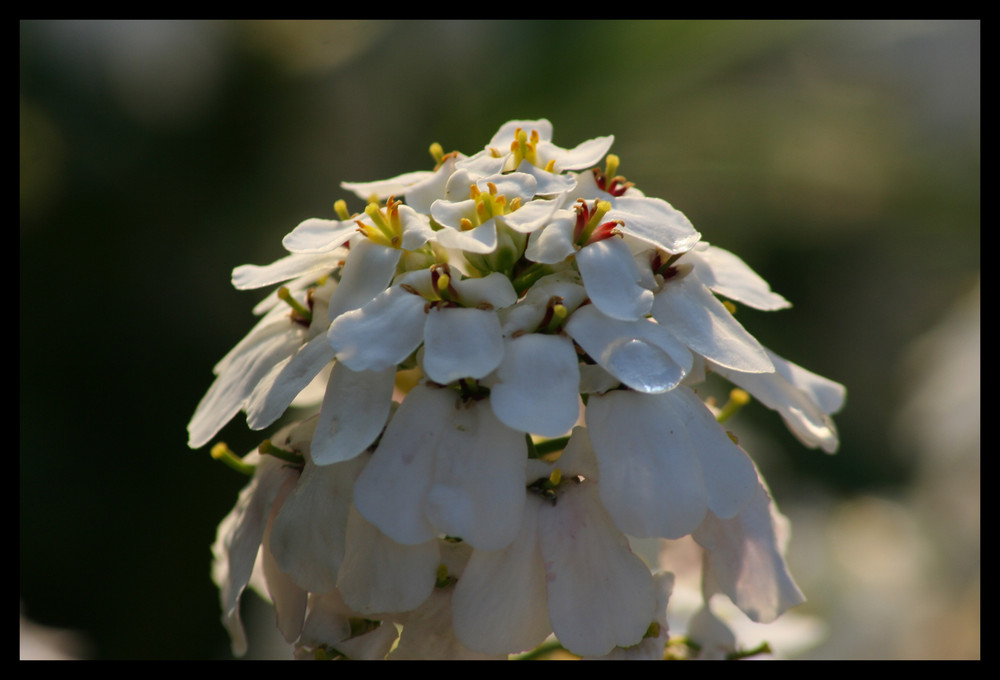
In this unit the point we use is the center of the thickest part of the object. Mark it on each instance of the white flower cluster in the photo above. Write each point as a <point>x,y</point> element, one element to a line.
<point>505,351</point>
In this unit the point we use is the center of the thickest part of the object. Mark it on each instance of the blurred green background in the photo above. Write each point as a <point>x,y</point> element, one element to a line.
<point>840,159</point>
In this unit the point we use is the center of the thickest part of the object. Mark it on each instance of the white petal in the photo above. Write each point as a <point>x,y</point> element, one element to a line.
<point>481,239</point>
<point>277,390</point>
<point>367,272</point>
<point>554,243</point>
<point>728,275</point>
<point>383,189</point>
<point>641,354</point>
<point>416,228</point>
<point>354,412</point>
<point>600,594</point>
<point>382,333</point>
<point>654,221</point>
<point>584,155</point>
<point>420,196</point>
<point>288,597</point>
<point>229,392</point>
<point>548,183</point>
<point>745,558</point>
<point>461,343</point>
<point>308,535</point>
<point>379,575</point>
<point>539,385</point>
<point>611,278</point>
<point>730,477</point>
<point>392,490</point>
<point>651,478</point>
<point>478,489</point>
<point>531,216</point>
<point>319,236</point>
<point>251,276</point>
<point>499,603</point>
<point>695,317</point>
<point>495,290</point>
<point>506,134</point>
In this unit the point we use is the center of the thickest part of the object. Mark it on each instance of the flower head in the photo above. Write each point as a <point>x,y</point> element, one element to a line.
<point>506,351</point>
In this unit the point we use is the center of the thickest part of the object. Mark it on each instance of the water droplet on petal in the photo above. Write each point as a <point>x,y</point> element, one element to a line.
<point>642,365</point>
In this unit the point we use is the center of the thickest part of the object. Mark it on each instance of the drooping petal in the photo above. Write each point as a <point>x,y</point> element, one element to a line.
<point>651,477</point>
<point>461,343</point>
<point>392,490</point>
<point>694,316</point>
<point>583,155</point>
<point>384,188</point>
<point>744,557</point>
<point>600,595</point>
<point>308,535</point>
<point>379,575</point>
<point>354,412</point>
<point>278,389</point>
<point>499,603</point>
<point>251,276</point>
<point>641,354</point>
<point>539,385</point>
<point>611,278</point>
<point>477,493</point>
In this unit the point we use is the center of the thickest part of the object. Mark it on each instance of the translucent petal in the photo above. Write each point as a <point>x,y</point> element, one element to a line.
<point>728,275</point>
<point>651,477</point>
<point>354,412</point>
<point>478,489</point>
<point>461,343</point>
<point>251,276</point>
<point>380,575</point>
<point>392,489</point>
<point>384,188</point>
<point>279,388</point>
<point>499,603</point>
<point>695,317</point>
<point>539,383</point>
<point>582,548</point>
<point>611,278</point>
<point>744,556</point>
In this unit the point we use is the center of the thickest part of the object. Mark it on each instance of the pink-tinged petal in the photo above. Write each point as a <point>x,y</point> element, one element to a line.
<point>744,557</point>
<point>642,354</point>
<point>251,276</point>
<point>461,343</point>
<point>655,222</point>
<point>499,603</point>
<point>539,385</point>
<point>478,491</point>
<point>354,412</point>
<point>612,278</point>
<point>600,595</point>
<point>651,476</point>
<point>366,273</point>
<point>392,490</point>
<point>382,333</point>
<point>695,317</point>
<point>728,275</point>
<point>279,388</point>
<point>308,535</point>
<point>319,236</point>
<point>379,575</point>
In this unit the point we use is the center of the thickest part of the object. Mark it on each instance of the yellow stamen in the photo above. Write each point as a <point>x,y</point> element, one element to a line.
<point>222,452</point>
<point>737,399</point>
<point>555,477</point>
<point>340,207</point>
<point>437,153</point>
<point>286,295</point>
<point>611,168</point>
<point>730,306</point>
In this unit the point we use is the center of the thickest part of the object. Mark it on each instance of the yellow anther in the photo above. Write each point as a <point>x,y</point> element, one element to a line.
<point>340,207</point>
<point>737,399</point>
<point>515,204</point>
<point>222,452</point>
<point>474,192</point>
<point>492,187</point>
<point>437,152</point>
<point>286,296</point>
<point>465,223</point>
<point>443,282</point>
<point>551,165</point>
<point>555,477</point>
<point>560,312</point>
<point>611,167</point>
<point>730,306</point>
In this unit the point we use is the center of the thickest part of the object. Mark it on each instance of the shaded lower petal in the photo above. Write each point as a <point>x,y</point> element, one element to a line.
<point>461,343</point>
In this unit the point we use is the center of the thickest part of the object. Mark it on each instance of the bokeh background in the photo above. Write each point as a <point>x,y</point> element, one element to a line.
<point>840,159</point>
